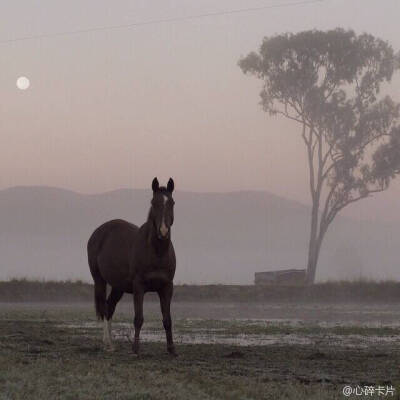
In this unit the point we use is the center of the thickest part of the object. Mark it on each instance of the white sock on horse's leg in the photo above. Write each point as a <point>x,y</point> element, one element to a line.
<point>107,332</point>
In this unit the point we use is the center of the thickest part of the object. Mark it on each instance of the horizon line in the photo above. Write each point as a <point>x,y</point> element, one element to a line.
<point>149,189</point>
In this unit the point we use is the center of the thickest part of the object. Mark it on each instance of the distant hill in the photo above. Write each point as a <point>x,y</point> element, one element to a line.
<point>219,237</point>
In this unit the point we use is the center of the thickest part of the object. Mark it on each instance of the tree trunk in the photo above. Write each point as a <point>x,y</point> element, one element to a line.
<point>313,244</point>
<point>313,253</point>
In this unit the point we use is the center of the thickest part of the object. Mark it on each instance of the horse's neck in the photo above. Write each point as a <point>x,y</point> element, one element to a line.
<point>159,246</point>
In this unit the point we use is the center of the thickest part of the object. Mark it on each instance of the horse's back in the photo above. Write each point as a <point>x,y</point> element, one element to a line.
<point>109,252</point>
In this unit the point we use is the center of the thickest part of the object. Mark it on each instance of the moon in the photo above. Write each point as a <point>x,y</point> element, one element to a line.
<point>23,83</point>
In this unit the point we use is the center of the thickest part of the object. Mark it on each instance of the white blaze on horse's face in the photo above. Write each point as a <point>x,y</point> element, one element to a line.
<point>163,227</point>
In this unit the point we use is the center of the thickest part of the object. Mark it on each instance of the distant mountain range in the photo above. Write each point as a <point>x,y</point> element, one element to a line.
<point>218,237</point>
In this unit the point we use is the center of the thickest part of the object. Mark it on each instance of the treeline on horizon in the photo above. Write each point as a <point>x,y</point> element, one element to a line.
<point>364,291</point>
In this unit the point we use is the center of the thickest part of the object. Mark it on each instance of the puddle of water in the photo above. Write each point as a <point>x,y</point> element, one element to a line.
<point>238,340</point>
<point>350,341</point>
<point>295,322</point>
<point>124,331</point>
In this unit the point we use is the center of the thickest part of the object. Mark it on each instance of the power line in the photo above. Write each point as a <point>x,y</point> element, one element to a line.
<point>159,21</point>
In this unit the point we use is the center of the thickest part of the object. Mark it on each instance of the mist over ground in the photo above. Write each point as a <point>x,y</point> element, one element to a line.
<point>218,237</point>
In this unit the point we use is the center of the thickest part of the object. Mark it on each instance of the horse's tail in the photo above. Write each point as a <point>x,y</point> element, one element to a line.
<point>100,297</point>
<point>100,285</point>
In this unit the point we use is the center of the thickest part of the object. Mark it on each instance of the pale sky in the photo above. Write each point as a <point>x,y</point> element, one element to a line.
<point>115,108</point>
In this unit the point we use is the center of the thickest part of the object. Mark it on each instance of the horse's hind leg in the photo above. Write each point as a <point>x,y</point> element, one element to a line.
<point>100,295</point>
<point>113,299</point>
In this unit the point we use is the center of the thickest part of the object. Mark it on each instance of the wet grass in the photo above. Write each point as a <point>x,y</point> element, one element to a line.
<point>41,358</point>
<point>251,327</point>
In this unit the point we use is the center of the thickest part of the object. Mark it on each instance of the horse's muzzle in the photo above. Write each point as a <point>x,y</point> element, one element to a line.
<point>163,234</point>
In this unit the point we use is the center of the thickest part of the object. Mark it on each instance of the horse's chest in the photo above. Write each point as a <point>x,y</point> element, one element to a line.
<point>155,277</point>
<point>156,268</point>
<point>152,270</point>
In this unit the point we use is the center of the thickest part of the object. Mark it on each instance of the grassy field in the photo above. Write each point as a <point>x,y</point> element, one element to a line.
<point>52,351</point>
<point>24,290</point>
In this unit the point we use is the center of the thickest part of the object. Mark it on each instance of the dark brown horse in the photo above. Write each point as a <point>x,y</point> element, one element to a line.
<point>135,260</point>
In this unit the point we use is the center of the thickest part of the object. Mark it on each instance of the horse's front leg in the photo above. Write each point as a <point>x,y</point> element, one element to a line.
<point>165,295</point>
<point>138,296</point>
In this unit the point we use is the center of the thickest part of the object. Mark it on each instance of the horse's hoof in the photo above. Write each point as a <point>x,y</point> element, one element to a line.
<point>135,350</point>
<point>172,352</point>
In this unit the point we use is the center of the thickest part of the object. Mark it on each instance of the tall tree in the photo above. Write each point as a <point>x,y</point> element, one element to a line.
<point>329,82</point>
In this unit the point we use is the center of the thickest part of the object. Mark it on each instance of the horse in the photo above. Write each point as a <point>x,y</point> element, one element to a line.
<point>135,260</point>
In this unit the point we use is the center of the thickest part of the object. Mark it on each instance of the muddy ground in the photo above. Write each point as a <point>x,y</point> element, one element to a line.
<point>226,351</point>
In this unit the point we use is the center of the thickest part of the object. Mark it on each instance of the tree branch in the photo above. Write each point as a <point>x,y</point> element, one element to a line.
<point>336,209</point>
<point>310,161</point>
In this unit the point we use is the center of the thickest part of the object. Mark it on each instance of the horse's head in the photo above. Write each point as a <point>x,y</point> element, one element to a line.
<point>162,208</point>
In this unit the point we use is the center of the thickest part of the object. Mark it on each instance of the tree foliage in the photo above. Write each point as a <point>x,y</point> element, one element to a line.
<point>330,83</point>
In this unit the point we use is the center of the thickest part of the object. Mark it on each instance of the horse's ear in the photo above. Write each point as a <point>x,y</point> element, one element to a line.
<point>155,185</point>
<point>170,185</point>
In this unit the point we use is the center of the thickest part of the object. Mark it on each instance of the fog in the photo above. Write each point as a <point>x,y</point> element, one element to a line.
<point>111,109</point>
<point>219,238</point>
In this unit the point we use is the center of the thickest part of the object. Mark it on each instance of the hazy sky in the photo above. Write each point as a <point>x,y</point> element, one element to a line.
<point>114,108</point>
